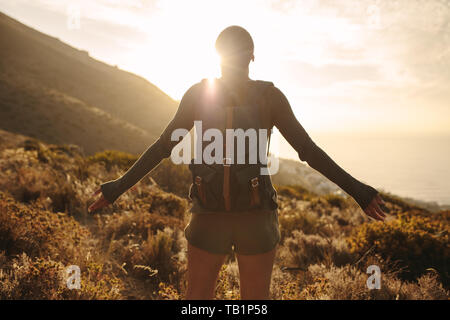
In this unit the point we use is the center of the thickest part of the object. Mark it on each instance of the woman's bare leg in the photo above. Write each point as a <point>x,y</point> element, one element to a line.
<point>255,273</point>
<point>203,270</point>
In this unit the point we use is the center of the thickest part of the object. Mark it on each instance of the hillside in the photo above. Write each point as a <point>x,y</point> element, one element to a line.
<point>135,249</point>
<point>59,94</point>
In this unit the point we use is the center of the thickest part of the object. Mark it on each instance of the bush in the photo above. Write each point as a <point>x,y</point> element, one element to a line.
<point>45,183</point>
<point>295,191</point>
<point>292,220</point>
<point>112,158</point>
<point>336,201</point>
<point>347,282</point>
<point>416,241</point>
<point>151,259</point>
<point>172,177</point>
<point>133,224</point>
<point>38,232</point>
<point>227,287</point>
<point>157,252</point>
<point>167,292</point>
<point>43,278</point>
<point>167,204</point>
<point>301,250</point>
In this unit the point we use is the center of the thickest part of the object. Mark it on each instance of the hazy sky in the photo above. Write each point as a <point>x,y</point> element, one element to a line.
<point>363,65</point>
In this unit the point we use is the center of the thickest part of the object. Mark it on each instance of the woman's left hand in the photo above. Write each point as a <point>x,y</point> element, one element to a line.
<point>373,209</point>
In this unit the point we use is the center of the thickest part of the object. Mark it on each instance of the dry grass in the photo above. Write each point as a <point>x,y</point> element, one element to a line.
<point>135,249</point>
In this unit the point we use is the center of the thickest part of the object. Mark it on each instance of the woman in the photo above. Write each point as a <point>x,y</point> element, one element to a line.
<point>255,234</point>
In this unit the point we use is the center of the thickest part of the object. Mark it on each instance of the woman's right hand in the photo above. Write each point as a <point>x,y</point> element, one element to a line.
<point>99,203</point>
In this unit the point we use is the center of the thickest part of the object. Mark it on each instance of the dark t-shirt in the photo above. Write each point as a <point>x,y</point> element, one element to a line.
<point>276,111</point>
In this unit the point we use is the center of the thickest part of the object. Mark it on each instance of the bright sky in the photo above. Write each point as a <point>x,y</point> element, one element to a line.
<point>362,65</point>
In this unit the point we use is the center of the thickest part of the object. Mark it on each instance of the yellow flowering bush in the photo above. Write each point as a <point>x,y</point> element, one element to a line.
<point>416,241</point>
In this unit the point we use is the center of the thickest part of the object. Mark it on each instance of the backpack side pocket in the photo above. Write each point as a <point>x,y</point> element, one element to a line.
<point>250,186</point>
<point>204,185</point>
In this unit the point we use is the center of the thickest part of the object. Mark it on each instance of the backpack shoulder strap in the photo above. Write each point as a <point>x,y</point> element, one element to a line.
<point>202,87</point>
<point>260,87</point>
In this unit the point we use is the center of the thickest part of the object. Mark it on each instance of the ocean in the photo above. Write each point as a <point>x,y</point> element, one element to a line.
<point>406,165</point>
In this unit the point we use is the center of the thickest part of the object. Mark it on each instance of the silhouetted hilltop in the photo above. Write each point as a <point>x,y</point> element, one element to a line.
<point>54,92</point>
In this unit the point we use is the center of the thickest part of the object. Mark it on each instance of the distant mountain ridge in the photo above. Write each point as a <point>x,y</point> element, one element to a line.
<point>54,92</point>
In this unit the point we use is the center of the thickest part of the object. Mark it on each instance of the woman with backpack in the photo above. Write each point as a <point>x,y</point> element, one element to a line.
<point>234,204</point>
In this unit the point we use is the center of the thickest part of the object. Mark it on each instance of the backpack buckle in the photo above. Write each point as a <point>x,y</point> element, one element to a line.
<point>255,182</point>
<point>226,162</point>
<point>198,180</point>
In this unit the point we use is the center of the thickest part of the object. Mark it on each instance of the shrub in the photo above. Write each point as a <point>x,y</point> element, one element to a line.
<point>38,232</point>
<point>43,278</point>
<point>112,158</point>
<point>167,292</point>
<point>172,177</point>
<point>295,191</point>
<point>34,182</point>
<point>347,282</point>
<point>227,284</point>
<point>301,250</point>
<point>417,242</point>
<point>292,220</point>
<point>157,251</point>
<point>133,224</point>
<point>167,204</point>
<point>336,201</point>
<point>150,259</point>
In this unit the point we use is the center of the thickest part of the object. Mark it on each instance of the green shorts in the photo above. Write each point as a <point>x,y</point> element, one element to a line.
<point>247,233</point>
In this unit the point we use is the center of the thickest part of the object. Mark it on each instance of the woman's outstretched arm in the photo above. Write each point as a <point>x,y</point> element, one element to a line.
<point>286,122</point>
<point>150,158</point>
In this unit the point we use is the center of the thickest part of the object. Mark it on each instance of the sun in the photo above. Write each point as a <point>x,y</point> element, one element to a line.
<point>176,59</point>
<point>179,50</point>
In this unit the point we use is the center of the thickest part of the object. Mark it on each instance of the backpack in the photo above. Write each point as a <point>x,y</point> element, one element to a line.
<point>231,185</point>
